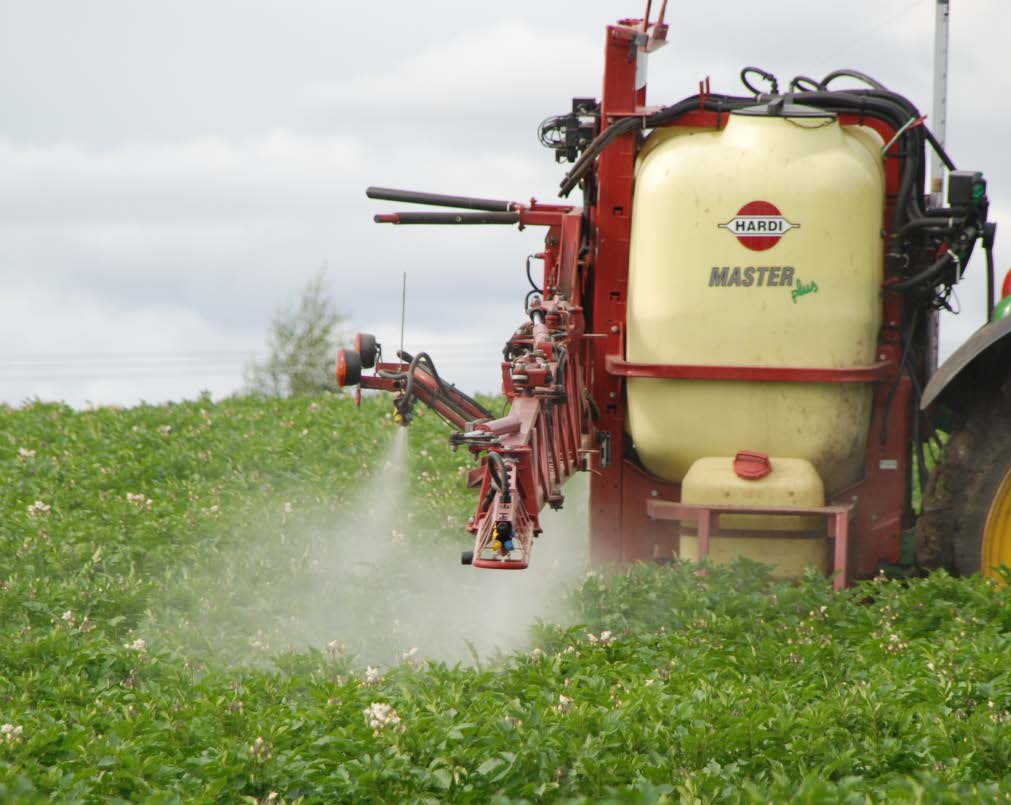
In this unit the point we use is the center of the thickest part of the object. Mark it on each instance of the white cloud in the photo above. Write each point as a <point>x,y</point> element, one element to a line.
<point>77,347</point>
<point>471,83</point>
<point>157,180</point>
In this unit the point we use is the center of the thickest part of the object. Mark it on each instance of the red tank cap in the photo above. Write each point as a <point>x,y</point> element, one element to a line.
<point>751,466</point>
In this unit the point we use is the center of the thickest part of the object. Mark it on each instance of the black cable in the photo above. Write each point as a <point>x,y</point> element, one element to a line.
<point>530,278</point>
<point>764,74</point>
<point>712,103</point>
<point>939,149</point>
<point>989,282</point>
<point>935,224</point>
<point>797,84</point>
<point>563,359</point>
<point>449,395</point>
<point>890,107</point>
<point>495,464</point>
<point>553,124</point>
<point>927,276</point>
<point>848,73</point>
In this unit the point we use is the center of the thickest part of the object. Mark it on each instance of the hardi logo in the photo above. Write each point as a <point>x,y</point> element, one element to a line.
<point>758,225</point>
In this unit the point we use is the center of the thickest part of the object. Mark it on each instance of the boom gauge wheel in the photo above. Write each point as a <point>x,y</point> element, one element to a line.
<point>966,521</point>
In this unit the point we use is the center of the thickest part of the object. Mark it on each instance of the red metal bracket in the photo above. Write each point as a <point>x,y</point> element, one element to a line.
<point>772,374</point>
<point>708,518</point>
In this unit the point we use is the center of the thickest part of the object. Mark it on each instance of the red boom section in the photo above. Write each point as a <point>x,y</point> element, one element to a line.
<point>526,456</point>
<point>538,446</point>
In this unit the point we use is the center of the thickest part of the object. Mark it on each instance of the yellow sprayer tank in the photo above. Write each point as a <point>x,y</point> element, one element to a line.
<point>756,245</point>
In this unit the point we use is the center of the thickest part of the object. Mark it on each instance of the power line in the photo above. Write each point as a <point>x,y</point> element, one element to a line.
<point>26,360</point>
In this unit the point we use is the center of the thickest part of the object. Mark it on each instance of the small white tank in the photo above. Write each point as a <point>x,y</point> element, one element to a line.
<point>757,245</point>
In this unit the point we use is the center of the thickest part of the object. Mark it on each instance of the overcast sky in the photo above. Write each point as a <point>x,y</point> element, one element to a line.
<point>172,172</point>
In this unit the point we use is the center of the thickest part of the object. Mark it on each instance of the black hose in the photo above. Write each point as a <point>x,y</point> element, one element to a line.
<point>449,395</point>
<point>563,359</point>
<point>939,149</point>
<point>890,107</point>
<point>529,276</point>
<point>765,75</point>
<point>926,277</point>
<point>797,84</point>
<point>497,465</point>
<point>712,103</point>
<point>934,224</point>
<point>989,283</point>
<point>848,73</point>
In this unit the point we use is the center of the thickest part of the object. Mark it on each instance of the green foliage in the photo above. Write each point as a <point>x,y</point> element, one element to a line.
<point>301,341</point>
<point>670,686</point>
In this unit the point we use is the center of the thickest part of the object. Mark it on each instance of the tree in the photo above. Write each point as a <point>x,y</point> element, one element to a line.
<point>301,343</point>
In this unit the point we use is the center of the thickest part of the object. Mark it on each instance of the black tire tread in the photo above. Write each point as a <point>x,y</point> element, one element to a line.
<point>961,489</point>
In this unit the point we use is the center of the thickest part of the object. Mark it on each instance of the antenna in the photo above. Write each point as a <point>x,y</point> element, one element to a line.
<point>403,314</point>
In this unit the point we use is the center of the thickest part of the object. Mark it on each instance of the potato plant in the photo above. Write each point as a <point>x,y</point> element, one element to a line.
<point>176,583</point>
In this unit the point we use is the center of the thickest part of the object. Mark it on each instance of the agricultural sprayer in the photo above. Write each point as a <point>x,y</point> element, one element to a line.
<point>734,334</point>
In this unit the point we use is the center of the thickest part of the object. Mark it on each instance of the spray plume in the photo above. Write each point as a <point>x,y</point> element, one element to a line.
<point>369,586</point>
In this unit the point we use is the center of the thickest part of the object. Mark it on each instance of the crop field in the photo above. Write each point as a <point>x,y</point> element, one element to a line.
<point>261,601</point>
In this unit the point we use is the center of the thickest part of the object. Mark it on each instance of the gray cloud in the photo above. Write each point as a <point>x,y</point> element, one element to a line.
<point>169,174</point>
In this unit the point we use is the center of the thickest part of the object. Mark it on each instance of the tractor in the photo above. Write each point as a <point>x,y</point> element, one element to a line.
<point>734,333</point>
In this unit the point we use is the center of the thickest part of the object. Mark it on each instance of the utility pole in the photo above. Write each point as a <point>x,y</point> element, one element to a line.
<point>939,111</point>
<point>938,124</point>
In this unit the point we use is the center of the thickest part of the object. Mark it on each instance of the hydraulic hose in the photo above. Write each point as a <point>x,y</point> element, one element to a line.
<point>989,282</point>
<point>499,473</point>
<point>848,73</point>
<point>928,275</point>
<point>894,109</point>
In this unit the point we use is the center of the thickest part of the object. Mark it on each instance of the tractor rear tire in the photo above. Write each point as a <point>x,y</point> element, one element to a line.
<point>965,526</point>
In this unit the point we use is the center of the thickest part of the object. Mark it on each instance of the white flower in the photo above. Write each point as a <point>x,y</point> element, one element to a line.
<point>139,645</point>
<point>288,508</point>
<point>11,733</point>
<point>139,500</point>
<point>536,655</point>
<point>564,704</point>
<point>67,617</point>
<point>372,675</point>
<point>605,639</point>
<point>379,716</point>
<point>260,749</point>
<point>335,648</point>
<point>411,656</point>
<point>24,453</point>
<point>165,430</point>
<point>39,509</point>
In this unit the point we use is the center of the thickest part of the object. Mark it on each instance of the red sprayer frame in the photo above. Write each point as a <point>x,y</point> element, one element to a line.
<point>565,372</point>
